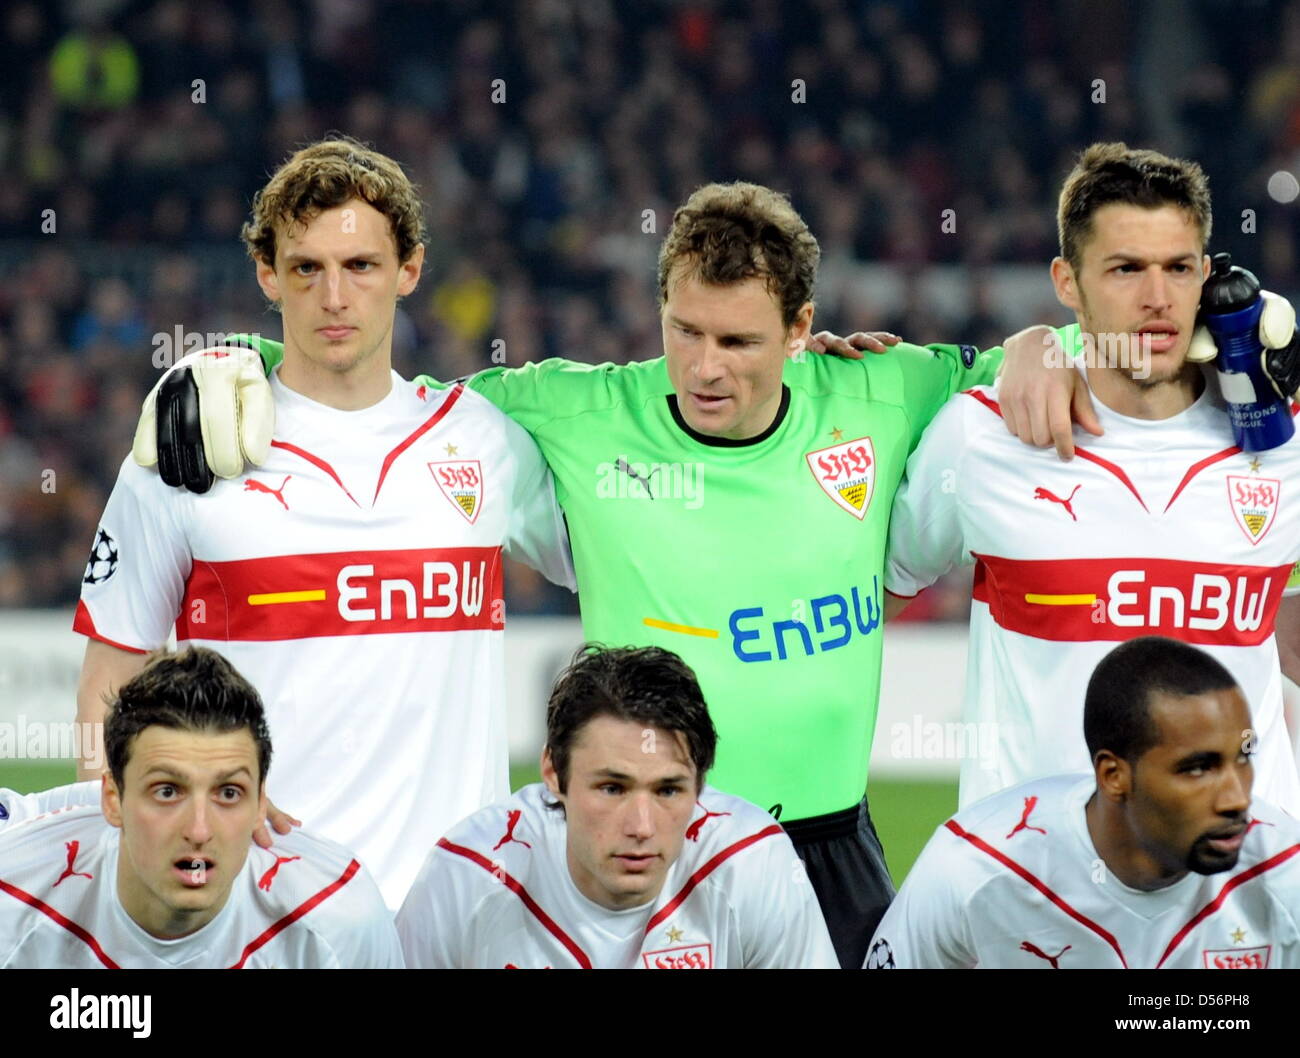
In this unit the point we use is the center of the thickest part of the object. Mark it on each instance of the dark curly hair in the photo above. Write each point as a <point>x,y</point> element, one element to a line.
<point>325,175</point>
<point>725,233</point>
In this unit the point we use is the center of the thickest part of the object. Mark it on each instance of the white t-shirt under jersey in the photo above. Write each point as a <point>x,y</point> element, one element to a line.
<point>496,892</point>
<point>1155,528</point>
<point>307,903</point>
<point>355,579</point>
<point>1014,882</point>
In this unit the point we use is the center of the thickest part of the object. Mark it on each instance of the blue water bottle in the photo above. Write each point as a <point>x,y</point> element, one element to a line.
<point>1230,307</point>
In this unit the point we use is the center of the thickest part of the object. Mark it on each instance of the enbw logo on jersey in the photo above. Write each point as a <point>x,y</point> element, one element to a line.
<point>829,612</point>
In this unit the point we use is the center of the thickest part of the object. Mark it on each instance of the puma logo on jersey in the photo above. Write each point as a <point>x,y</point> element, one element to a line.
<point>1041,493</point>
<point>1033,949</point>
<point>73,848</point>
<point>693,831</point>
<point>265,881</point>
<point>624,467</point>
<point>252,485</point>
<point>512,821</point>
<point>1024,824</point>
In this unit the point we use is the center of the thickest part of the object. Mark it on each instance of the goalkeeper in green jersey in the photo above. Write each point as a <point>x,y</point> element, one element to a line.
<point>728,501</point>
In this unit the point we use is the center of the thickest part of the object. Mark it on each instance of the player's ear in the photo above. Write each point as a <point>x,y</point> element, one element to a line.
<point>409,271</point>
<point>549,775</point>
<point>1114,776</point>
<point>796,337</point>
<point>267,280</point>
<point>110,800</point>
<point>1205,267</point>
<point>1066,284</point>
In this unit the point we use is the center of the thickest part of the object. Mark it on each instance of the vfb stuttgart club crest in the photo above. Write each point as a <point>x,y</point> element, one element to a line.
<point>1254,504</point>
<point>847,473</point>
<point>461,481</point>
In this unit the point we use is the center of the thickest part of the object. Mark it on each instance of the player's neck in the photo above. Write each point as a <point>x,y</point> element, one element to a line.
<point>1119,850</point>
<point>152,915</point>
<point>1142,398</point>
<point>362,386</point>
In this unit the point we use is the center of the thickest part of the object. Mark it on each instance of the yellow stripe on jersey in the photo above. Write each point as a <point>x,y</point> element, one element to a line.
<point>270,598</point>
<point>1061,600</point>
<point>686,630</point>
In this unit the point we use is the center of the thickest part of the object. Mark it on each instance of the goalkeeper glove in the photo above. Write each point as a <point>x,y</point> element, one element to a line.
<point>212,409</point>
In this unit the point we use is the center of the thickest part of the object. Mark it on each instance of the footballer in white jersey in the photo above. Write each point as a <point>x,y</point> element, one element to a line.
<point>1159,859</point>
<point>622,859</point>
<point>1156,527</point>
<point>355,574</point>
<point>305,903</point>
<point>1161,525</point>
<point>355,578</point>
<point>158,870</point>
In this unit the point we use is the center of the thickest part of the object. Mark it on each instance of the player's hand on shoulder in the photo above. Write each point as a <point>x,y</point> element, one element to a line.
<point>1040,392</point>
<point>281,822</point>
<point>851,347</point>
<point>207,417</point>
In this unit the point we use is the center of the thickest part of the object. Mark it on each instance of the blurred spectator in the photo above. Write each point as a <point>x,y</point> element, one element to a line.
<point>551,142</point>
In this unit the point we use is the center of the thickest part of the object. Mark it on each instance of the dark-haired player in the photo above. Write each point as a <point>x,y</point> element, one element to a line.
<point>622,857</point>
<point>162,874</point>
<point>1160,858</point>
<point>1162,526</point>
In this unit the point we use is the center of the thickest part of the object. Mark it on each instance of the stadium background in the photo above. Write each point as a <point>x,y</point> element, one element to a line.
<point>133,135</point>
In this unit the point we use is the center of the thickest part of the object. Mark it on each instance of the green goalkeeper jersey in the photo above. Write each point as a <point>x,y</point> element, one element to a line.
<point>759,561</point>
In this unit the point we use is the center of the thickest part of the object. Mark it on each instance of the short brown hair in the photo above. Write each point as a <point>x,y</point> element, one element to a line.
<point>646,685</point>
<point>730,232</point>
<point>1107,173</point>
<point>189,690</point>
<point>325,175</point>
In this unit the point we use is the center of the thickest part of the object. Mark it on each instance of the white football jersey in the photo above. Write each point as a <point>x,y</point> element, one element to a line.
<point>496,892</point>
<point>355,579</point>
<point>16,807</point>
<point>1155,528</point>
<point>305,904</point>
<point>1014,882</point>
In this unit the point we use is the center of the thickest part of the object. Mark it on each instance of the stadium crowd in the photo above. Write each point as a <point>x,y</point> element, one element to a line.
<point>550,141</point>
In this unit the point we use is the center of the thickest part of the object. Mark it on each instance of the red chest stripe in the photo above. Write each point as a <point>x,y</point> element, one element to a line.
<point>1038,884</point>
<point>344,593</point>
<point>516,887</point>
<point>1116,599</point>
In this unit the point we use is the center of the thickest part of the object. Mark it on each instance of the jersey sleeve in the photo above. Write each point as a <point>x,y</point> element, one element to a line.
<point>435,919</point>
<point>140,559</point>
<point>926,536</point>
<point>16,807</point>
<point>781,923</point>
<point>934,373</point>
<point>926,927</point>
<point>538,535</point>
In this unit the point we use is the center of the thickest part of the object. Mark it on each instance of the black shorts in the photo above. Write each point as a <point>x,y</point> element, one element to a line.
<point>846,865</point>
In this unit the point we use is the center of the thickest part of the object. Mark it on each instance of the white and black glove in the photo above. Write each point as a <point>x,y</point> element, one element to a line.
<point>1281,357</point>
<point>207,417</point>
